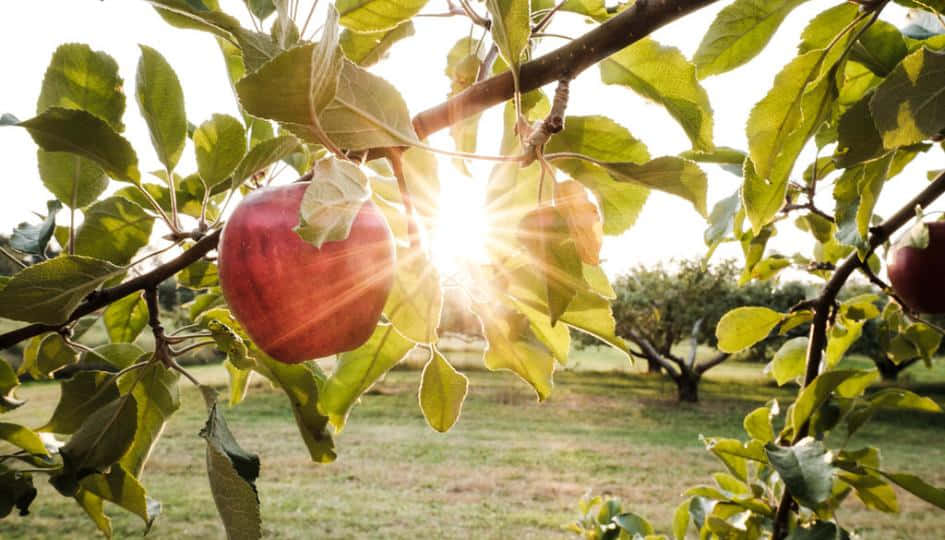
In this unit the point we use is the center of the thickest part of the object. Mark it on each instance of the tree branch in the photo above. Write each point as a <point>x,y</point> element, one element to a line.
<point>824,304</point>
<point>651,353</point>
<point>714,361</point>
<point>631,25</point>
<point>104,297</point>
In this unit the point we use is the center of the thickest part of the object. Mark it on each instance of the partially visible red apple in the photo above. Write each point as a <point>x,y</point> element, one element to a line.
<point>298,302</point>
<point>917,275</point>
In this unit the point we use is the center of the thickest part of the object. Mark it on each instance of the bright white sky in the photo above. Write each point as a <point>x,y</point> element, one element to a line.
<point>668,227</point>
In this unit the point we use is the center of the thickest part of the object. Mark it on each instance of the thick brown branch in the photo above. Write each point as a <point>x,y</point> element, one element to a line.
<point>711,363</point>
<point>104,297</point>
<point>824,305</point>
<point>631,25</point>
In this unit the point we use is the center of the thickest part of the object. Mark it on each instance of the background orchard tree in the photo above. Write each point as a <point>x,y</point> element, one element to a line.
<point>658,309</point>
<point>861,91</point>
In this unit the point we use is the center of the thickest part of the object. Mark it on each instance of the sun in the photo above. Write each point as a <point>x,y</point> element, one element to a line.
<point>460,230</point>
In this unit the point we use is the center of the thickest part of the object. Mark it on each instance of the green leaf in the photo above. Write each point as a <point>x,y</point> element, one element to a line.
<point>847,383</point>
<point>80,78</point>
<point>8,383</point>
<point>78,132</point>
<point>331,201</point>
<point>22,437</point>
<point>94,507</point>
<point>875,493</point>
<point>303,385</point>
<point>671,174</point>
<point>780,125</point>
<point>34,238</point>
<point>367,112</point>
<point>74,180</point>
<point>202,274</point>
<point>261,8</point>
<point>856,192</point>
<point>909,105</point>
<point>288,89</point>
<point>256,47</point>
<point>263,155</point>
<point>114,230</point>
<point>742,327</point>
<point>662,74</point>
<point>366,49</point>
<point>126,318</point>
<point>789,362</point>
<point>681,521</point>
<point>358,370</point>
<point>117,355</point>
<point>857,137</point>
<point>220,144</point>
<point>880,48</point>
<point>104,436</point>
<point>415,301</point>
<point>16,491</point>
<point>739,32</point>
<point>758,424</point>
<point>805,469</point>
<point>81,395</point>
<point>27,296</point>
<point>513,346</point>
<point>161,100</point>
<point>511,29</point>
<point>156,392</point>
<point>603,139</point>
<point>821,530</point>
<point>376,15</point>
<point>554,255</point>
<point>442,391</point>
<point>918,487</point>
<point>633,524</point>
<point>730,159</point>
<point>122,488</point>
<point>232,472</point>
<point>239,382</point>
<point>52,355</point>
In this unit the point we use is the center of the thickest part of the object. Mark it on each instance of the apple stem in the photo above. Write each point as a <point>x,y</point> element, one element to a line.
<point>395,155</point>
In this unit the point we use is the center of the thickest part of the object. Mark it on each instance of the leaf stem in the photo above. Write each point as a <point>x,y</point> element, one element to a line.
<point>13,257</point>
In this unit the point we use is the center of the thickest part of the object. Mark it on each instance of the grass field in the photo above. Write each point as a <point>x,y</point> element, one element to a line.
<point>511,468</point>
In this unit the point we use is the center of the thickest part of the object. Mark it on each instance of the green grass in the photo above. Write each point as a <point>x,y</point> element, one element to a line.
<point>511,467</point>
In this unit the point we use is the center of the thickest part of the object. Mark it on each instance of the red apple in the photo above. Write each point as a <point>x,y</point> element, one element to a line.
<point>298,302</point>
<point>917,275</point>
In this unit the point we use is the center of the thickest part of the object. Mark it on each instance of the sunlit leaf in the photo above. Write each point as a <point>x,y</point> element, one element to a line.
<point>366,49</point>
<point>739,32</point>
<point>742,327</point>
<point>662,74</point>
<point>220,144</point>
<point>78,132</point>
<point>80,78</point>
<point>584,222</point>
<point>27,296</point>
<point>909,105</point>
<point>358,370</point>
<point>416,299</point>
<point>331,201</point>
<point>114,230</point>
<point>511,28</point>
<point>442,391</point>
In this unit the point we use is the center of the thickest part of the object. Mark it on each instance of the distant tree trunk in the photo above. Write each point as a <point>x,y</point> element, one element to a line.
<point>687,387</point>
<point>653,367</point>
<point>889,370</point>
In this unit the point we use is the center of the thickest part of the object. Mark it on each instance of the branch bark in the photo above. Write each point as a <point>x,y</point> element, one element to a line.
<point>824,303</point>
<point>631,25</point>
<point>104,297</point>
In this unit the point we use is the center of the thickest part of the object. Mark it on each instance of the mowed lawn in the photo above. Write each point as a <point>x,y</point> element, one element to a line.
<point>511,468</point>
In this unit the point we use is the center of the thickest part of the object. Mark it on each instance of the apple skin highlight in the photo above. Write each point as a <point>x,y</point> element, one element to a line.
<point>918,275</point>
<point>298,302</point>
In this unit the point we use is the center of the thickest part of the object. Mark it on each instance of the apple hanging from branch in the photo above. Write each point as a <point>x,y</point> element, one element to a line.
<point>917,272</point>
<point>298,302</point>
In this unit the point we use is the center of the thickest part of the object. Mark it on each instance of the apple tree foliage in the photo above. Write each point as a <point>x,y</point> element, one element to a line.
<point>864,93</point>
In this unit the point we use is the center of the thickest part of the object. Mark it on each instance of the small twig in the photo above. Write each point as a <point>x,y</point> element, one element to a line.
<point>546,20</point>
<point>308,18</point>
<point>13,257</point>
<point>395,155</point>
<point>553,123</point>
<point>551,34</point>
<point>475,17</point>
<point>486,67</point>
<point>191,347</point>
<point>177,367</point>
